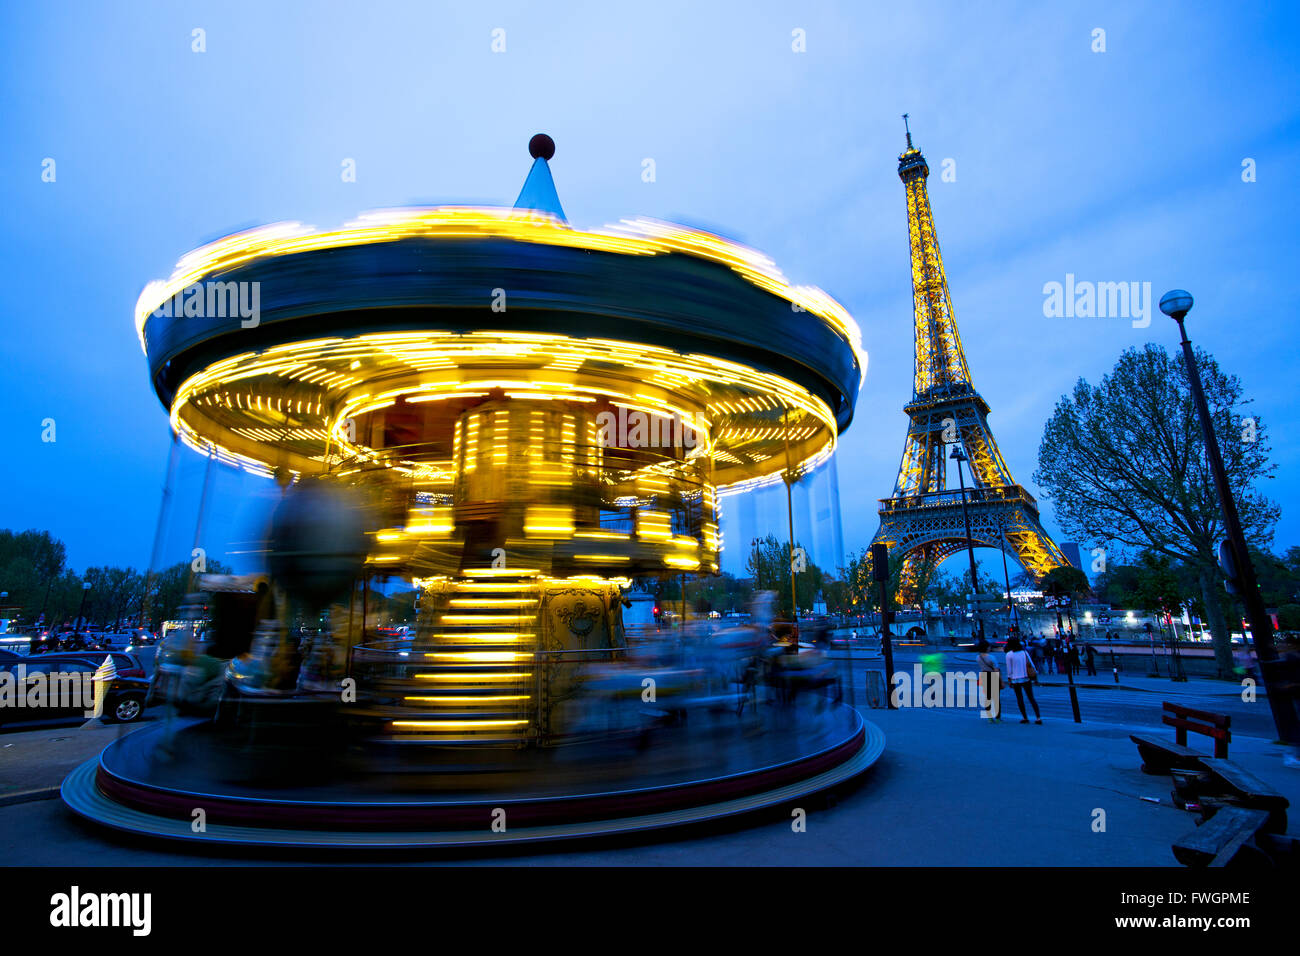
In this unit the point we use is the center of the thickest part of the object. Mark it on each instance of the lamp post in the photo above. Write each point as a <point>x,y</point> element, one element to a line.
<point>1006,577</point>
<point>1176,304</point>
<point>958,457</point>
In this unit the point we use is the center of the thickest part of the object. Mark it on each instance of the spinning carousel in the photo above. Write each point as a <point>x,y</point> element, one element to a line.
<point>517,419</point>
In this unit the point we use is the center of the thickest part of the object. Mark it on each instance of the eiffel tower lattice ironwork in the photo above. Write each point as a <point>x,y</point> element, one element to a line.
<point>922,519</point>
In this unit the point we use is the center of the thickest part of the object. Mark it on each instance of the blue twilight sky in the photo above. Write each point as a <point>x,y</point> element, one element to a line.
<point>1122,165</point>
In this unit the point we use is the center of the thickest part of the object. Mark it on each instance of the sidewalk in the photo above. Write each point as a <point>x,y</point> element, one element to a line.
<point>958,789</point>
<point>1105,680</point>
<point>33,762</point>
<point>1193,686</point>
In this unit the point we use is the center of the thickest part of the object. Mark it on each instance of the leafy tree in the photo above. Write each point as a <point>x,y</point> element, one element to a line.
<point>1279,581</point>
<point>115,594</point>
<point>727,593</point>
<point>946,591</point>
<point>1065,581</point>
<point>1159,586</point>
<point>1124,463</point>
<point>722,592</point>
<point>65,599</point>
<point>988,583</point>
<point>835,592</point>
<point>31,563</point>
<point>1117,585</point>
<point>168,587</point>
<point>863,590</point>
<point>1023,579</point>
<point>770,562</point>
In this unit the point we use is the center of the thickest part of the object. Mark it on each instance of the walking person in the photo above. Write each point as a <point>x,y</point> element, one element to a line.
<point>1021,673</point>
<point>990,682</point>
<point>1091,654</point>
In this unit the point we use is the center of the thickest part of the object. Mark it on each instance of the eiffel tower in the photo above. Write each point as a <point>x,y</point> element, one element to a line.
<point>923,519</point>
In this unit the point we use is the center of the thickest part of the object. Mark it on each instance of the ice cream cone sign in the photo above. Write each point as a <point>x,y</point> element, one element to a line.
<point>103,678</point>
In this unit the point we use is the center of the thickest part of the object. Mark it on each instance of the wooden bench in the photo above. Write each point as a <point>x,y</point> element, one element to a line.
<point>1247,790</point>
<point>1217,840</point>
<point>1159,756</point>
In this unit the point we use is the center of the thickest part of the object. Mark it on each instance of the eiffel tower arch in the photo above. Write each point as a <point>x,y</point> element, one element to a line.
<point>922,518</point>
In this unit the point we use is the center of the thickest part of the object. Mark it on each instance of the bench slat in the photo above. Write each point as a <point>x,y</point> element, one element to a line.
<point>1218,839</point>
<point>1159,743</point>
<point>1218,733</point>
<point>1244,782</point>
<point>1218,720</point>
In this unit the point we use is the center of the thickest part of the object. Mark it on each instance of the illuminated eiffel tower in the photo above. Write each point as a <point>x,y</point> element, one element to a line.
<point>923,518</point>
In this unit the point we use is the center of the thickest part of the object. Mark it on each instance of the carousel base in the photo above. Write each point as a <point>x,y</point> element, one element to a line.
<point>139,786</point>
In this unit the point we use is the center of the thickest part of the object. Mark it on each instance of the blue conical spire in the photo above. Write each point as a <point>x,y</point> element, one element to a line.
<point>539,188</point>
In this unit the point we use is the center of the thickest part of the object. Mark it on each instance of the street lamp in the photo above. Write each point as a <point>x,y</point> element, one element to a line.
<point>958,457</point>
<point>1176,304</point>
<point>1006,577</point>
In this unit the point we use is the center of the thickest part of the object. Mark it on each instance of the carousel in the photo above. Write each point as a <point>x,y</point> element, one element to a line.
<point>518,420</point>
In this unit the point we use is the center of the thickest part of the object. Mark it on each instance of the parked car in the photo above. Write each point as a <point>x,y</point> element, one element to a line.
<point>124,703</point>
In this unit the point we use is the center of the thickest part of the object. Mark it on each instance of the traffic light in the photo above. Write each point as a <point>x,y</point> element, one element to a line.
<point>879,562</point>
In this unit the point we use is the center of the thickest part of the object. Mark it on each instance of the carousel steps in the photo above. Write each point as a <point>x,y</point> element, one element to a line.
<point>470,674</point>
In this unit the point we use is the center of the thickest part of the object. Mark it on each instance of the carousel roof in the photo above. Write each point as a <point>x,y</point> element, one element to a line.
<point>539,188</point>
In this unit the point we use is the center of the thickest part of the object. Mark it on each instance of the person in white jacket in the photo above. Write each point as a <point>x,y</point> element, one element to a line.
<point>990,682</point>
<point>1020,674</point>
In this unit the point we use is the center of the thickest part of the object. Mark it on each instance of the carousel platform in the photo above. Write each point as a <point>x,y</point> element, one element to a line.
<point>152,782</point>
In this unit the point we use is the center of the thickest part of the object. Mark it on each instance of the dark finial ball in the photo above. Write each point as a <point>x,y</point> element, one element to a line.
<point>541,146</point>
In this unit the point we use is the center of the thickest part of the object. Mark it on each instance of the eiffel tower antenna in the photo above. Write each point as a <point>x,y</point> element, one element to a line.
<point>922,520</point>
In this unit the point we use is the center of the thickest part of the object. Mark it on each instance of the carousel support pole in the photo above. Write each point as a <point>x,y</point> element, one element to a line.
<point>683,604</point>
<point>365,601</point>
<point>789,507</point>
<point>203,504</point>
<point>156,554</point>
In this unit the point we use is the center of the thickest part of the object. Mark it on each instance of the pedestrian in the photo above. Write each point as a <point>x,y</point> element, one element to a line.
<point>1021,674</point>
<point>1075,663</point>
<point>990,682</point>
<point>1091,653</point>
